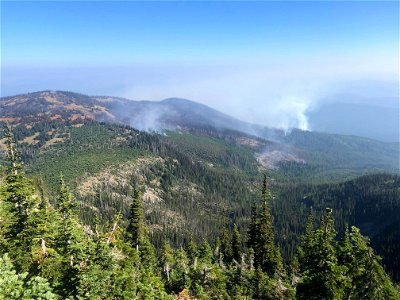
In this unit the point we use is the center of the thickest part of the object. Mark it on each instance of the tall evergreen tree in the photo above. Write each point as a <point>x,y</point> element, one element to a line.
<point>225,246</point>
<point>253,228</point>
<point>265,251</point>
<point>72,242</point>
<point>136,230</point>
<point>236,245</point>
<point>307,243</point>
<point>137,233</point>
<point>18,202</point>
<point>191,251</point>
<point>46,259</point>
<point>321,275</point>
<point>265,254</point>
<point>167,260</point>
<point>368,278</point>
<point>96,280</point>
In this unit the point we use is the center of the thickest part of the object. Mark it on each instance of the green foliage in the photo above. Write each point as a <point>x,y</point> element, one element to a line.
<point>205,180</point>
<point>211,150</point>
<point>225,246</point>
<point>136,227</point>
<point>236,245</point>
<point>48,253</point>
<point>261,235</point>
<point>20,286</point>
<point>349,270</point>
<point>368,279</point>
<point>321,275</point>
<point>343,152</point>
<point>370,203</point>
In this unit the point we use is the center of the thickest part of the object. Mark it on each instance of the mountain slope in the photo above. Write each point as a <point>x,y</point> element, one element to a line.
<point>191,191</point>
<point>183,192</point>
<point>327,152</point>
<point>195,179</point>
<point>144,115</point>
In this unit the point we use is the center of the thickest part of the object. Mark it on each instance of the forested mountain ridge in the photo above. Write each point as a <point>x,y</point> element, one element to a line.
<point>334,155</point>
<point>106,162</point>
<point>195,180</point>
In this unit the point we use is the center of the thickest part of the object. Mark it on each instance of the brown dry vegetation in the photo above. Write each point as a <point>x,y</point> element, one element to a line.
<point>271,159</point>
<point>53,141</point>
<point>118,175</point>
<point>30,140</point>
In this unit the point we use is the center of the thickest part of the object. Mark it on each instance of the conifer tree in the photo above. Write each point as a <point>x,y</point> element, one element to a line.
<point>137,233</point>
<point>18,202</point>
<point>71,241</point>
<point>96,273</point>
<point>321,275</point>
<point>265,251</point>
<point>46,260</point>
<point>307,243</point>
<point>191,250</point>
<point>265,256</point>
<point>236,245</point>
<point>205,252</point>
<point>136,229</point>
<point>180,274</point>
<point>368,278</point>
<point>15,285</point>
<point>167,261</point>
<point>225,246</point>
<point>253,228</point>
<point>65,201</point>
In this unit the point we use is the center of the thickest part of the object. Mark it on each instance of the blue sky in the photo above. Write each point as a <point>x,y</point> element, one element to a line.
<point>225,54</point>
<point>94,33</point>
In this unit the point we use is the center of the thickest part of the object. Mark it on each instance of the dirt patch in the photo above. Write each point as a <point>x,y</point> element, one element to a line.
<point>249,142</point>
<point>49,97</point>
<point>271,159</point>
<point>75,117</point>
<point>55,117</point>
<point>9,119</point>
<point>30,140</point>
<point>53,141</point>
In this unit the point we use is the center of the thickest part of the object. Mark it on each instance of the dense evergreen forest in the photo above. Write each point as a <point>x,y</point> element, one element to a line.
<point>192,184</point>
<point>48,253</point>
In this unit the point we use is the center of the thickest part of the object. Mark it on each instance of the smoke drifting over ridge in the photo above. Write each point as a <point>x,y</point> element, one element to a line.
<point>255,97</point>
<point>276,95</point>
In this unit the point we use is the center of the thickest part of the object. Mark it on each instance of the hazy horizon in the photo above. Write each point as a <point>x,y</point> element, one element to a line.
<point>272,63</point>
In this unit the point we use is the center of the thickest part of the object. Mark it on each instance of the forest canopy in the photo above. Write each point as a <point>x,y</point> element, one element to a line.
<point>48,253</point>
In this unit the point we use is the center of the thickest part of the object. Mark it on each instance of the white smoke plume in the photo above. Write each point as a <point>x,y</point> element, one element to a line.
<point>276,94</point>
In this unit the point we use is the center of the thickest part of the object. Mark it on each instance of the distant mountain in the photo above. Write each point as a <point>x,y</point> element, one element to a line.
<point>176,113</point>
<point>172,113</point>
<point>51,105</point>
<point>272,146</point>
